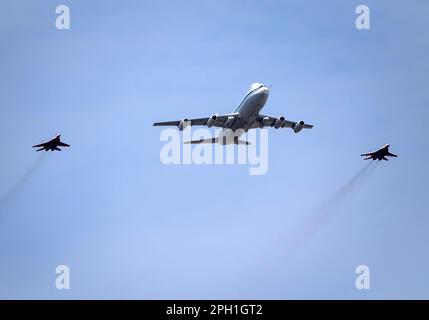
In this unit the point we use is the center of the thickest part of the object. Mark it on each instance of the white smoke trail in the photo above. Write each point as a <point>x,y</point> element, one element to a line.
<point>289,243</point>
<point>11,193</point>
<point>327,211</point>
<point>349,186</point>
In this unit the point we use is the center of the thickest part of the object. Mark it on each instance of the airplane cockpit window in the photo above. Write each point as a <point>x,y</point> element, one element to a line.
<point>255,86</point>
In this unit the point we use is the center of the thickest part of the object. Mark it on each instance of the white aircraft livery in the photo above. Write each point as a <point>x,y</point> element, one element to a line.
<point>246,116</point>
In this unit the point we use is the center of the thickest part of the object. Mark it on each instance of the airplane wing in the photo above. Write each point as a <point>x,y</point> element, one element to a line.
<point>267,121</point>
<point>62,144</point>
<point>367,154</point>
<point>216,121</point>
<point>291,124</point>
<point>391,154</point>
<point>42,145</point>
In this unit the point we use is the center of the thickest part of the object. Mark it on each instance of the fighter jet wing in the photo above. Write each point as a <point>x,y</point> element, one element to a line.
<point>62,144</point>
<point>216,121</point>
<point>42,145</point>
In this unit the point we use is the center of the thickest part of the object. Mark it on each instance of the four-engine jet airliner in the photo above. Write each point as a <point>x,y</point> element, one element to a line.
<point>52,144</point>
<point>246,116</point>
<point>380,154</point>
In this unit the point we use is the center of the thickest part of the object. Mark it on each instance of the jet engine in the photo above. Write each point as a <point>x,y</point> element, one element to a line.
<point>279,122</point>
<point>265,121</point>
<point>298,126</point>
<point>182,124</point>
<point>211,121</point>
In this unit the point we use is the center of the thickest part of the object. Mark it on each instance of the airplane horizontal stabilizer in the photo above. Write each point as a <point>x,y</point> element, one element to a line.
<point>215,140</point>
<point>210,140</point>
<point>242,142</point>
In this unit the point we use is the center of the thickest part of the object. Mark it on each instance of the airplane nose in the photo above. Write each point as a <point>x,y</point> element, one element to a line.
<point>264,90</point>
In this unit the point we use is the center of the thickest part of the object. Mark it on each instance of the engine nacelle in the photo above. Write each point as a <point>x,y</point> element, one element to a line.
<point>182,124</point>
<point>298,126</point>
<point>211,121</point>
<point>229,122</point>
<point>265,121</point>
<point>279,122</point>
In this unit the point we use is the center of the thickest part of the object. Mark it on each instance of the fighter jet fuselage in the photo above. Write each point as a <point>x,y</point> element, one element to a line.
<point>52,144</point>
<point>380,154</point>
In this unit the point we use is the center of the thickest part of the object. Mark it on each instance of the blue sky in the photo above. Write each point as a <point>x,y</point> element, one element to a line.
<point>130,227</point>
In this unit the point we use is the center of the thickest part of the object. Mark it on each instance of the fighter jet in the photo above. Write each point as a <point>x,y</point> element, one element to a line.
<point>246,116</point>
<point>380,154</point>
<point>52,144</point>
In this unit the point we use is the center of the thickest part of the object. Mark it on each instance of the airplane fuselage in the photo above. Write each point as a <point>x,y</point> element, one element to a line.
<point>248,111</point>
<point>53,144</point>
<point>246,116</point>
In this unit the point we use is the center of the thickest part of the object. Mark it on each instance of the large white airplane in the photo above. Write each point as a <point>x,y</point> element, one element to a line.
<point>246,116</point>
